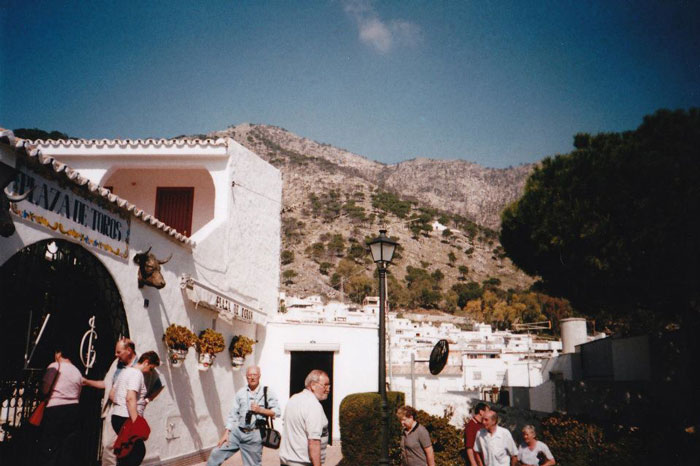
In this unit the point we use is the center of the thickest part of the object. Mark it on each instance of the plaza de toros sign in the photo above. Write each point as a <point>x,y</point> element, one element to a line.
<point>62,210</point>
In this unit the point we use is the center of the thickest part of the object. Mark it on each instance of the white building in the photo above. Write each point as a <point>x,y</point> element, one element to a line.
<point>481,362</point>
<point>213,206</point>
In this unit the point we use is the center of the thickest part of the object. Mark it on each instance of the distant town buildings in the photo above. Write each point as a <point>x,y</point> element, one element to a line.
<point>482,363</point>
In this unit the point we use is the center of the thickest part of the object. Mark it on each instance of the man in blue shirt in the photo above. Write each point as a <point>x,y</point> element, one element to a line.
<point>241,432</point>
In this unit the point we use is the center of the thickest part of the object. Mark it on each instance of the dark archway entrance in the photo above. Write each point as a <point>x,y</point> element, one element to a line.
<point>64,283</point>
<point>303,362</point>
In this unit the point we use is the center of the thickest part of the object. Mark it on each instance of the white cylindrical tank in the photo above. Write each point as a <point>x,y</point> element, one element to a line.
<point>573,332</point>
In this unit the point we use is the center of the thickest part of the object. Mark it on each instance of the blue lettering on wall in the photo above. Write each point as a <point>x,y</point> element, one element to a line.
<point>61,202</point>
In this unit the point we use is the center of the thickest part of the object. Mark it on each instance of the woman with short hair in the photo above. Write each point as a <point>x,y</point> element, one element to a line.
<point>416,447</point>
<point>60,425</point>
<point>531,450</point>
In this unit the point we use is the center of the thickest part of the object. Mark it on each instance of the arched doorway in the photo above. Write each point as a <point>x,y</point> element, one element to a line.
<point>58,286</point>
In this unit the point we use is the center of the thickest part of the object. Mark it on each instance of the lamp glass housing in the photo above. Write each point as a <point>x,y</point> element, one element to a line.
<point>382,248</point>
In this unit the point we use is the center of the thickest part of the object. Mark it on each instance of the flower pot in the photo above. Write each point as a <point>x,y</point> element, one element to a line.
<point>176,356</point>
<point>237,363</point>
<point>205,361</point>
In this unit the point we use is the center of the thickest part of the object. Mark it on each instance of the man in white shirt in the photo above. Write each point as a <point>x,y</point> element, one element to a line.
<point>305,424</point>
<point>130,400</point>
<point>125,356</point>
<point>495,444</point>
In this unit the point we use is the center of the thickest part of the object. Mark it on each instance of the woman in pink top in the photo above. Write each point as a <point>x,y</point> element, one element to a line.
<point>61,422</point>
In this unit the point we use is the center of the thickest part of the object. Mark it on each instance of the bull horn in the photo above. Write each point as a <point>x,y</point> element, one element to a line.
<point>17,197</point>
<point>166,260</point>
<point>145,253</point>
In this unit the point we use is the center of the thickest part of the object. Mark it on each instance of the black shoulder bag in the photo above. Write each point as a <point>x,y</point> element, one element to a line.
<point>270,437</point>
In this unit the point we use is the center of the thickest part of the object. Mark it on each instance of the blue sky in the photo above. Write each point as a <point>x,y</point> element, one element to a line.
<point>495,82</point>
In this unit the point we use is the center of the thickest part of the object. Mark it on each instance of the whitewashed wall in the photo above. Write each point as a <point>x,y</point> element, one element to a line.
<point>354,365</point>
<point>236,253</point>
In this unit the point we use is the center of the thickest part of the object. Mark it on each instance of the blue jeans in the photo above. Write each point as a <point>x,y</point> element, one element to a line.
<point>249,443</point>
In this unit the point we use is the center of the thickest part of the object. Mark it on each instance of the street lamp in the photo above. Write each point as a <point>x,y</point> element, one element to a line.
<point>382,248</point>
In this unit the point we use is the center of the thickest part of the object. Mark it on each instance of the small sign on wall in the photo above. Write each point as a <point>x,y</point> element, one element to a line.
<point>228,308</point>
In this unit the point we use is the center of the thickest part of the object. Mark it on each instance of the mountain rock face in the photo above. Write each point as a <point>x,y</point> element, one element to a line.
<point>331,206</point>
<point>458,186</point>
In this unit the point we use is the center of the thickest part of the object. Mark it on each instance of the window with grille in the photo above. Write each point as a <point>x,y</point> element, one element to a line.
<point>174,208</point>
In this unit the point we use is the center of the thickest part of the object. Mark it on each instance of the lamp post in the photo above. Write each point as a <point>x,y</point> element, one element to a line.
<point>382,248</point>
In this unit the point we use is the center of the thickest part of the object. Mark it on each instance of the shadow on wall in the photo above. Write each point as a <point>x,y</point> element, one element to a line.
<point>260,337</point>
<point>185,403</point>
<point>206,379</point>
<point>183,396</point>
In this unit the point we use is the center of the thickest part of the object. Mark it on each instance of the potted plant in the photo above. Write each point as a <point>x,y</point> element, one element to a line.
<point>240,347</point>
<point>208,344</point>
<point>178,339</point>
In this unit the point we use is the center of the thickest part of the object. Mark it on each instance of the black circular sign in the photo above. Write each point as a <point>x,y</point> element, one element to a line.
<point>438,357</point>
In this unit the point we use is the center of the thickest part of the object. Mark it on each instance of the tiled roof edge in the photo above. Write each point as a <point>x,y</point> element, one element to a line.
<point>131,143</point>
<point>30,150</point>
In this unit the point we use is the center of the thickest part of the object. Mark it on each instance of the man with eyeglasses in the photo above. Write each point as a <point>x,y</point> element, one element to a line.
<point>305,424</point>
<point>251,407</point>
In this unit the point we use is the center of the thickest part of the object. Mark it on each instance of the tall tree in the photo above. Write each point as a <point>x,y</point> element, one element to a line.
<point>613,225</point>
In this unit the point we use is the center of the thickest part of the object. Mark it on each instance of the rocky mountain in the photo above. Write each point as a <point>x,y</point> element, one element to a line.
<point>333,200</point>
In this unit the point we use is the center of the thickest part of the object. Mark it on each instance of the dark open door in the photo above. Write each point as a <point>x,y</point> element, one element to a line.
<point>304,362</point>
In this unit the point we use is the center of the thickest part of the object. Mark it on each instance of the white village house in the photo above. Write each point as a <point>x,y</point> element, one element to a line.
<point>482,363</point>
<point>212,206</point>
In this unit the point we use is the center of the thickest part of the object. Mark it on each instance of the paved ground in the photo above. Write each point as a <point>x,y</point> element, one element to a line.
<point>270,457</point>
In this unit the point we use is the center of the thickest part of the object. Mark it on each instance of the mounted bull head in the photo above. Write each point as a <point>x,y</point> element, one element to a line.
<point>7,174</point>
<point>149,269</point>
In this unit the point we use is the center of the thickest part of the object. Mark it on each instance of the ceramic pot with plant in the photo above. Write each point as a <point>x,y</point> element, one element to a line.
<point>209,343</point>
<point>178,340</point>
<point>240,347</point>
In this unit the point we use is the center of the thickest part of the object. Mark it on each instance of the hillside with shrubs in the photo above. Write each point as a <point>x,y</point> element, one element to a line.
<point>449,258</point>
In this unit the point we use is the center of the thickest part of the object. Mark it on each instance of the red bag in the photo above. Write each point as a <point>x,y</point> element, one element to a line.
<point>38,414</point>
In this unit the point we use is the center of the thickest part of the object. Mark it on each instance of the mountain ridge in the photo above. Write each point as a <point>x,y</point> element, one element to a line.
<point>333,193</point>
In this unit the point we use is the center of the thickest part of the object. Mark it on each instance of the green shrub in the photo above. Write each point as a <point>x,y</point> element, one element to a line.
<point>325,267</point>
<point>287,257</point>
<point>288,276</point>
<point>577,443</point>
<point>360,428</point>
<point>390,202</point>
<point>446,438</point>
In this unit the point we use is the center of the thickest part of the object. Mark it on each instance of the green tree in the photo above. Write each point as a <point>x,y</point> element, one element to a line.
<point>419,224</point>
<point>36,133</point>
<point>316,251</point>
<point>360,286</point>
<point>357,252</point>
<point>390,203</point>
<point>423,287</point>
<point>463,271</point>
<point>325,267</point>
<point>467,292</point>
<point>287,257</point>
<point>612,226</point>
<point>336,245</point>
<point>288,276</point>
<point>437,277</point>
<point>452,258</point>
